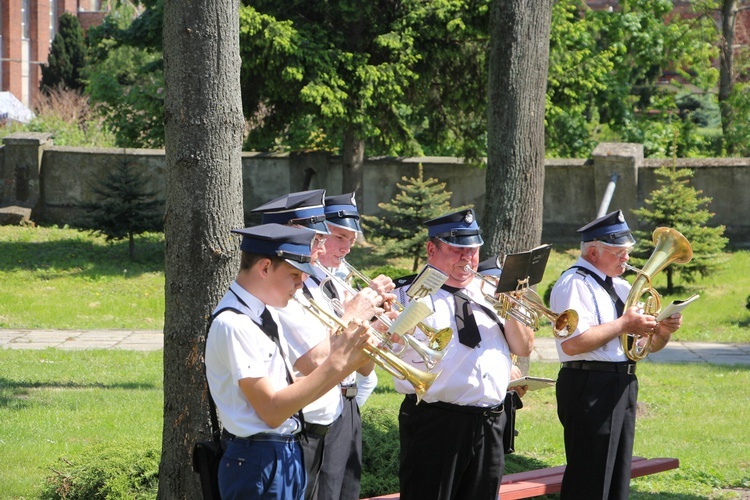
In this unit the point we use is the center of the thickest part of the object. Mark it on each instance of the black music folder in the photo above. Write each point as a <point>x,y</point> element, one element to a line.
<point>527,267</point>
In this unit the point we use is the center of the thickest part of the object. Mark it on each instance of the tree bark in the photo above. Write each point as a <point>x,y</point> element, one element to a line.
<point>726,67</point>
<point>203,137</point>
<point>352,159</point>
<point>518,64</point>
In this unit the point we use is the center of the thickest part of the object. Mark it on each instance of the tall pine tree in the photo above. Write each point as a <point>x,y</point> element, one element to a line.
<point>678,205</point>
<point>400,232</point>
<point>67,57</point>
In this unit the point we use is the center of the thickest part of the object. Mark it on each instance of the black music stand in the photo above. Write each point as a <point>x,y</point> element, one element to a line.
<point>523,269</point>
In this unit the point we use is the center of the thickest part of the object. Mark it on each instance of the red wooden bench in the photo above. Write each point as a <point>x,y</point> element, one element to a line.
<point>545,481</point>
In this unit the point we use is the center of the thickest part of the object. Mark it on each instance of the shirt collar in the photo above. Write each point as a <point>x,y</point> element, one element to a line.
<point>255,305</point>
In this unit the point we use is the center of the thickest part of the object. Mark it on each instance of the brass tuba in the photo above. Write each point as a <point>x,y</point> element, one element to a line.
<point>421,381</point>
<point>669,246</point>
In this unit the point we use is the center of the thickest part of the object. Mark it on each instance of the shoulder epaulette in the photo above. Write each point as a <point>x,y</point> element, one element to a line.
<point>404,281</point>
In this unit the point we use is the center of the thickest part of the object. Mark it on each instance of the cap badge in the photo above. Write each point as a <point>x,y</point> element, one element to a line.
<point>620,217</point>
<point>469,218</point>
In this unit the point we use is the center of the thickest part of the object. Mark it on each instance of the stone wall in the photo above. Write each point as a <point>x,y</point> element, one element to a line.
<point>50,180</point>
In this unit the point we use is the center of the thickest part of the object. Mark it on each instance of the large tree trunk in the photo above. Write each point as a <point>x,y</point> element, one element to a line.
<point>726,66</point>
<point>353,157</point>
<point>519,58</point>
<point>203,137</point>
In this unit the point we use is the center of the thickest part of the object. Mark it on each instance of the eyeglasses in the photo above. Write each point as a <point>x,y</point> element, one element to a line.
<point>622,254</point>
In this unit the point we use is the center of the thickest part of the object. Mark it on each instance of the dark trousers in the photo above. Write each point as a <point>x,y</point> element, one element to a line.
<point>312,451</point>
<point>449,454</point>
<point>597,411</point>
<point>341,469</point>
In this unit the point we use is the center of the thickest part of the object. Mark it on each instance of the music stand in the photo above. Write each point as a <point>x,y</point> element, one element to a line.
<point>524,269</point>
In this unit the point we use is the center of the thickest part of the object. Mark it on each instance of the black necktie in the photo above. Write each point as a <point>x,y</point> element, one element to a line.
<point>610,288</point>
<point>271,329</point>
<point>466,324</point>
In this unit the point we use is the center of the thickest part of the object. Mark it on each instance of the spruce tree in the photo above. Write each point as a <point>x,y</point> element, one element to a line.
<point>124,208</point>
<point>67,57</point>
<point>678,205</point>
<point>400,232</point>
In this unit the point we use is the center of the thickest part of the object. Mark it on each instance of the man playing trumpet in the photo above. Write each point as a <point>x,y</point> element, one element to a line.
<point>452,442</point>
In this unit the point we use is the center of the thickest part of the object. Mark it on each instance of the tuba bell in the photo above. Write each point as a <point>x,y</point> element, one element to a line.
<point>670,246</point>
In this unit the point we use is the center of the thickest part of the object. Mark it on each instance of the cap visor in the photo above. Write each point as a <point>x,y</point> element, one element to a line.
<point>305,267</point>
<point>473,240</point>
<point>349,223</point>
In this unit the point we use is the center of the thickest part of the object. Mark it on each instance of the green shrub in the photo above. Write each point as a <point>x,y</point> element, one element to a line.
<point>380,449</point>
<point>110,471</point>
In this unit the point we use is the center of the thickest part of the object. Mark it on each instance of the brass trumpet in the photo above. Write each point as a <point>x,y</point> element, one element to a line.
<point>669,246</point>
<point>430,356</point>
<point>421,381</point>
<point>437,339</point>
<point>525,306</point>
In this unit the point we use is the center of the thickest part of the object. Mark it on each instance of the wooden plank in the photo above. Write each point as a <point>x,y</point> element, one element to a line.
<point>545,481</point>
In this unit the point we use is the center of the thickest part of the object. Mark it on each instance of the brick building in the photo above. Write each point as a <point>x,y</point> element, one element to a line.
<point>27,28</point>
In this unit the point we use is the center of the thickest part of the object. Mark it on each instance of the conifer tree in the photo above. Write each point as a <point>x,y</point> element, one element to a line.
<point>400,232</point>
<point>67,56</point>
<point>125,207</point>
<point>678,205</point>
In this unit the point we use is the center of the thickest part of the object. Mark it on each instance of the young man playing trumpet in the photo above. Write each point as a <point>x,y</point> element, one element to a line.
<point>257,399</point>
<point>452,442</point>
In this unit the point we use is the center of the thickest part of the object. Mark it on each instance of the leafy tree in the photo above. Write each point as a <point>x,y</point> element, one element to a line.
<point>126,76</point>
<point>203,136</point>
<point>67,56</point>
<point>678,205</point>
<point>400,232</point>
<point>125,207</point>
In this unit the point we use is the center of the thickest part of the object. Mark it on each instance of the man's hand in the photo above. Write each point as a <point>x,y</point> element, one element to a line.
<point>635,322</point>
<point>363,306</point>
<point>515,372</point>
<point>383,286</point>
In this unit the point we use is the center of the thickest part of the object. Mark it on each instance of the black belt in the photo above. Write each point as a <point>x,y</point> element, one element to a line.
<point>487,411</point>
<point>349,391</point>
<point>601,366</point>
<point>317,429</point>
<point>268,436</point>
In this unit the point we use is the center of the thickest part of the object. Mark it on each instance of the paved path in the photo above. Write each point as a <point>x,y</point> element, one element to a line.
<point>151,340</point>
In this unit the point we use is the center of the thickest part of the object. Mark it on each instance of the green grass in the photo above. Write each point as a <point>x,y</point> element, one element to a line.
<point>54,405</point>
<point>66,279</point>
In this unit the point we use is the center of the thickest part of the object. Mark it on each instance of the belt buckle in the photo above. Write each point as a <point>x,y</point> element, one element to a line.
<point>631,369</point>
<point>349,392</point>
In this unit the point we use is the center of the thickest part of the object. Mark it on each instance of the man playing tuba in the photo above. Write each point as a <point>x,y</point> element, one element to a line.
<point>597,388</point>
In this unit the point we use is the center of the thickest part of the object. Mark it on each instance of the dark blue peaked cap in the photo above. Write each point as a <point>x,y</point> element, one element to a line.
<point>293,244</point>
<point>459,229</point>
<point>341,211</point>
<point>304,208</point>
<point>489,267</point>
<point>611,229</point>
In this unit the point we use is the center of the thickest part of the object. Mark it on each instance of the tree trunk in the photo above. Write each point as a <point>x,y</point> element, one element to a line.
<point>726,67</point>
<point>203,136</point>
<point>353,157</point>
<point>518,62</point>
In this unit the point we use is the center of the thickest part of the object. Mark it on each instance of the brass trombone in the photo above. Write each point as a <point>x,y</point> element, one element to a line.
<point>437,339</point>
<point>669,246</point>
<point>430,356</point>
<point>421,381</point>
<point>525,306</point>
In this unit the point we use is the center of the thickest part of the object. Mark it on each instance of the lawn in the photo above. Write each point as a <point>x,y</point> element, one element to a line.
<point>55,405</point>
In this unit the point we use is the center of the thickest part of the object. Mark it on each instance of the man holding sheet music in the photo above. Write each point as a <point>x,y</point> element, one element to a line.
<point>596,387</point>
<point>452,441</point>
